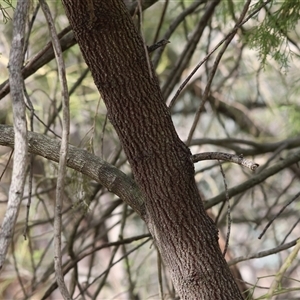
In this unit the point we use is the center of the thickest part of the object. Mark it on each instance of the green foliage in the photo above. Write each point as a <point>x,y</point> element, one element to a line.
<point>270,36</point>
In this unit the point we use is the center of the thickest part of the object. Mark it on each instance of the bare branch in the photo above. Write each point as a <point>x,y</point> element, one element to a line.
<point>253,148</point>
<point>20,125</point>
<point>290,160</point>
<point>264,253</point>
<point>189,50</point>
<point>229,219</point>
<point>237,159</point>
<point>287,263</point>
<point>238,25</point>
<point>212,74</point>
<point>67,40</point>
<point>180,18</point>
<point>63,152</point>
<point>157,45</point>
<point>84,162</point>
<point>278,214</point>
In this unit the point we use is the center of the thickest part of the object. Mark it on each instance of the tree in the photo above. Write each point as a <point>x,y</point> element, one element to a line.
<point>164,192</point>
<point>161,163</point>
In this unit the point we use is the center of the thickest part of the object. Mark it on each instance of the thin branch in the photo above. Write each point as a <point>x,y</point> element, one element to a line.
<point>117,261</point>
<point>290,160</point>
<point>63,152</point>
<point>276,152</point>
<point>278,277</point>
<point>278,214</point>
<point>161,19</point>
<point>179,19</point>
<point>228,211</point>
<point>189,50</point>
<point>86,254</point>
<point>20,126</point>
<point>114,252</point>
<point>142,35</point>
<point>157,45</point>
<point>67,40</point>
<point>237,159</point>
<point>160,279</point>
<point>215,49</point>
<point>40,59</point>
<point>264,253</point>
<point>256,148</point>
<point>290,231</point>
<point>212,73</point>
<point>19,276</point>
<point>30,165</point>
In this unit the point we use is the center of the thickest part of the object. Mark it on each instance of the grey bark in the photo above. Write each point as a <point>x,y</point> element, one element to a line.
<point>20,125</point>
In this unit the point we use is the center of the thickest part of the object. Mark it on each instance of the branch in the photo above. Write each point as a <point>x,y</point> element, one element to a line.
<point>237,159</point>
<point>83,255</point>
<point>189,49</point>
<point>84,162</point>
<point>63,153</point>
<point>279,275</point>
<point>290,160</point>
<point>253,148</point>
<point>157,45</point>
<point>16,190</point>
<point>178,20</point>
<point>211,75</point>
<point>238,25</point>
<point>263,253</point>
<point>67,40</point>
<point>278,214</point>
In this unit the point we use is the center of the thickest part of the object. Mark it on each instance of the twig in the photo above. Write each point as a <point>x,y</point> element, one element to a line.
<point>82,255</point>
<point>142,35</point>
<point>215,49</point>
<point>263,253</point>
<point>114,252</point>
<point>160,279</point>
<point>157,45</point>
<point>212,73</point>
<point>20,127</point>
<point>276,152</point>
<point>63,152</point>
<point>276,282</point>
<point>278,214</point>
<point>114,263</point>
<point>228,212</point>
<point>237,159</point>
<point>30,165</point>
<point>290,160</point>
<point>67,40</point>
<point>290,231</point>
<point>189,49</point>
<point>178,20</point>
<point>161,19</point>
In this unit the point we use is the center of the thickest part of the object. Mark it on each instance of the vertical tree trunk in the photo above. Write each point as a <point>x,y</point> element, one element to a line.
<point>161,164</point>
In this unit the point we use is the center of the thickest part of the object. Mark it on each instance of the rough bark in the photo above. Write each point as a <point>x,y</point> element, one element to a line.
<point>160,161</point>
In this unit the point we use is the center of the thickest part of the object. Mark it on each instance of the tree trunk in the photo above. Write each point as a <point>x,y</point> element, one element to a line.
<point>186,237</point>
